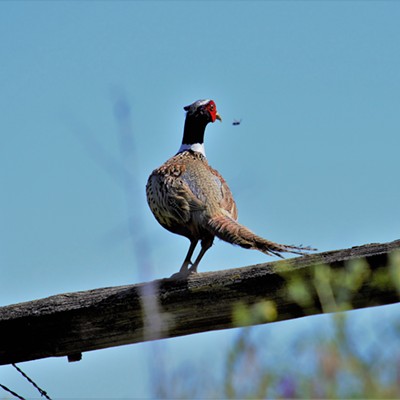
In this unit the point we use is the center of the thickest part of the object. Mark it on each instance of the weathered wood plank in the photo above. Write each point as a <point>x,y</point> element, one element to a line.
<point>71,323</point>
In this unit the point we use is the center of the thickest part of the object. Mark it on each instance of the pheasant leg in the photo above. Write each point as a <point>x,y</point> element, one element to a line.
<point>184,271</point>
<point>205,245</point>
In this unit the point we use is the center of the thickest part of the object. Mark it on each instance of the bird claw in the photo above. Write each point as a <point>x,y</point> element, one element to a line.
<point>179,275</point>
<point>182,274</point>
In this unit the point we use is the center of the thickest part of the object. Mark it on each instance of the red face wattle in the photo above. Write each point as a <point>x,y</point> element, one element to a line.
<point>212,110</point>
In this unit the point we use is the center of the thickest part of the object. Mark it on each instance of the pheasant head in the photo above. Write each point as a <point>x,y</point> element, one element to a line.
<point>198,115</point>
<point>204,111</point>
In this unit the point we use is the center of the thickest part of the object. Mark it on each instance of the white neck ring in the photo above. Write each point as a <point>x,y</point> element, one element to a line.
<point>199,147</point>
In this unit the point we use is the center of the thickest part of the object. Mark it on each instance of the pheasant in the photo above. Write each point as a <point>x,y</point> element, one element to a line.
<point>189,198</point>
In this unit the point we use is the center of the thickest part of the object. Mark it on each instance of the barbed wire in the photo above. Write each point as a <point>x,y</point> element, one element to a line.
<point>42,392</point>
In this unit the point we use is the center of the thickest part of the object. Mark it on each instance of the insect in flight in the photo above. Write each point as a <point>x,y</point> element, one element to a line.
<point>236,122</point>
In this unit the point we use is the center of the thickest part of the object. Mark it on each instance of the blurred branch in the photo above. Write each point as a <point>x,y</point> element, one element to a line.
<point>71,323</point>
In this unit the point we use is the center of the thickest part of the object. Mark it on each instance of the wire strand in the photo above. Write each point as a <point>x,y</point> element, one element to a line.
<point>11,392</point>
<point>41,391</point>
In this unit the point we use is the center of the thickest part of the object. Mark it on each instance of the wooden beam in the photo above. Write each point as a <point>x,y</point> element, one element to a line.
<point>71,323</point>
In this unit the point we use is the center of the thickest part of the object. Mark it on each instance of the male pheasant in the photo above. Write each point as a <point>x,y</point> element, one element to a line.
<point>189,198</point>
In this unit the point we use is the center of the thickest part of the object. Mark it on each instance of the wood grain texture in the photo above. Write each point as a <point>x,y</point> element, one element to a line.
<point>71,323</point>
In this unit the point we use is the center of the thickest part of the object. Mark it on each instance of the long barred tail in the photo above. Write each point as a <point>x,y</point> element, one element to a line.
<point>232,232</point>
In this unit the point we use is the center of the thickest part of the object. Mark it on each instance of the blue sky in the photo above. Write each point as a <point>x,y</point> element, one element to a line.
<point>314,161</point>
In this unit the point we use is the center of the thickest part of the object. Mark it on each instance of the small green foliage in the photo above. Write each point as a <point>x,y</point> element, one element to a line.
<point>322,280</point>
<point>299,291</point>
<point>327,366</point>
<point>258,313</point>
<point>394,268</point>
<point>335,366</point>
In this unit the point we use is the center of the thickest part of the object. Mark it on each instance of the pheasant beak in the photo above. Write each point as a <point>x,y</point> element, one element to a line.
<point>217,116</point>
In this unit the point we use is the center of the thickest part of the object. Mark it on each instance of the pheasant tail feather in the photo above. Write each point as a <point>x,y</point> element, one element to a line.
<point>230,231</point>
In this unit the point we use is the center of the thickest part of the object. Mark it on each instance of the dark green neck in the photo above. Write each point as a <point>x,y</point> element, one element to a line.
<point>194,129</point>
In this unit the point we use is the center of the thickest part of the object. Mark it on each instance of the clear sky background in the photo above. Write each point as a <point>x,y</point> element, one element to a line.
<point>314,161</point>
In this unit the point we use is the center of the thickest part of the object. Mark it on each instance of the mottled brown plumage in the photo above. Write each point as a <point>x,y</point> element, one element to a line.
<point>189,198</point>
